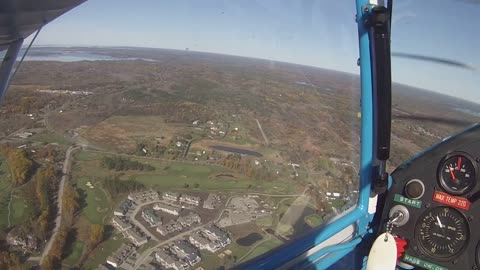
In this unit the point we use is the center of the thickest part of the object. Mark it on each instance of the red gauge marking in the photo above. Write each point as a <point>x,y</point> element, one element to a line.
<point>452,174</point>
<point>459,163</point>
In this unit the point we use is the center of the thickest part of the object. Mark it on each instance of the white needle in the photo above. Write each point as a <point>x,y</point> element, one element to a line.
<point>439,222</point>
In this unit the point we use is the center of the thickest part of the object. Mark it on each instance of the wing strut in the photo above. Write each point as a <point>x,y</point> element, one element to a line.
<point>7,66</point>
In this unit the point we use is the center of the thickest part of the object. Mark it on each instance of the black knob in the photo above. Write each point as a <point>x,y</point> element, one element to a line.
<point>414,189</point>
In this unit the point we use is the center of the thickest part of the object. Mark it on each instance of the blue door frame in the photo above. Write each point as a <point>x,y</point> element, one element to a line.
<point>359,215</point>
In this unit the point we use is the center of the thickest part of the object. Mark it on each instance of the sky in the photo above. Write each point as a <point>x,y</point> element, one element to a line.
<point>310,32</point>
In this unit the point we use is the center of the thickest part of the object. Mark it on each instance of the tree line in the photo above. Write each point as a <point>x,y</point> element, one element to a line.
<point>123,164</point>
<point>115,186</point>
<point>20,164</point>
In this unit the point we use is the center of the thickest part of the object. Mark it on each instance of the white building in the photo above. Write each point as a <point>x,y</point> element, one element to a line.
<point>135,237</point>
<point>172,210</point>
<point>190,199</point>
<point>120,224</point>
<point>169,261</point>
<point>171,196</point>
<point>203,243</point>
<point>188,220</point>
<point>186,252</point>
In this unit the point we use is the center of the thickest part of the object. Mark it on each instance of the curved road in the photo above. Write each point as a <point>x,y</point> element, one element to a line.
<point>58,219</point>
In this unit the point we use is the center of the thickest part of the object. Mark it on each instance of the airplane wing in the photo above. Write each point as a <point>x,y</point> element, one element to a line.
<point>20,18</point>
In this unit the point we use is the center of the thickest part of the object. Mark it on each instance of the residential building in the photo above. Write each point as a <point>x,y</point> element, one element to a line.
<point>171,196</point>
<point>169,227</point>
<point>172,210</point>
<point>201,242</point>
<point>188,220</point>
<point>186,252</point>
<point>121,224</point>
<point>144,196</point>
<point>214,233</point>
<point>190,199</point>
<point>169,261</point>
<point>119,256</point>
<point>136,238</point>
<point>149,216</point>
<point>123,208</point>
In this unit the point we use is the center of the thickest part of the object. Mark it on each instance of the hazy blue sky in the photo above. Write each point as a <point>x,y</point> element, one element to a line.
<point>311,32</point>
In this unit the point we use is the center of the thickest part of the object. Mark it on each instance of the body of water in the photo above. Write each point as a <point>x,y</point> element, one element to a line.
<point>236,150</point>
<point>76,56</point>
<point>249,240</point>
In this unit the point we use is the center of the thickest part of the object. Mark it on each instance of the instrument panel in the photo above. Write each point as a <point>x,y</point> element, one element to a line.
<point>437,196</point>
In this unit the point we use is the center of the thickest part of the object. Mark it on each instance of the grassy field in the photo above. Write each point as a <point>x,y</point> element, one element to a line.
<point>74,256</point>
<point>100,254</point>
<point>21,210</point>
<point>262,248</point>
<point>313,220</point>
<point>98,203</point>
<point>265,221</point>
<point>171,174</point>
<point>49,137</point>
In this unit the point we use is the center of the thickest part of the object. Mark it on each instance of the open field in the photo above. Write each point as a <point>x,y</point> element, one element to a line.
<point>266,246</point>
<point>73,258</point>
<point>104,250</point>
<point>313,220</point>
<point>98,204</point>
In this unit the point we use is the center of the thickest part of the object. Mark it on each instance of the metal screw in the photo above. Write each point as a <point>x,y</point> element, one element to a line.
<point>455,261</point>
<point>365,9</point>
<point>427,205</point>
<point>478,159</point>
<point>470,218</point>
<point>358,62</point>
<point>475,267</point>
<point>415,248</point>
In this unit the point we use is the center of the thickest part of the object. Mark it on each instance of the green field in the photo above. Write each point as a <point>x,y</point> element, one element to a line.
<point>98,203</point>
<point>174,175</point>
<point>49,137</point>
<point>313,220</point>
<point>265,221</point>
<point>21,210</point>
<point>262,248</point>
<point>105,249</point>
<point>75,255</point>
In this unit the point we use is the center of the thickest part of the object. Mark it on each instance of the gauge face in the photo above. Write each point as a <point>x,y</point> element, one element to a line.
<point>442,232</point>
<point>457,175</point>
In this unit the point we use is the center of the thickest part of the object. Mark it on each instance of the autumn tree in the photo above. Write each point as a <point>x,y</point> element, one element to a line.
<point>11,261</point>
<point>95,235</point>
<point>56,251</point>
<point>20,164</point>
<point>70,202</point>
<point>48,263</point>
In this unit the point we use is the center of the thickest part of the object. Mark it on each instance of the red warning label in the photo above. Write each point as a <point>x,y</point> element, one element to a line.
<point>450,200</point>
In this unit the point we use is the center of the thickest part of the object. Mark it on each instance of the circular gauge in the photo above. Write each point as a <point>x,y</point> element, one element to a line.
<point>442,232</point>
<point>457,174</point>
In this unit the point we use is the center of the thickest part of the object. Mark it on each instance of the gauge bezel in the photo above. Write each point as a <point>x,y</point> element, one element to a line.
<point>427,252</point>
<point>442,181</point>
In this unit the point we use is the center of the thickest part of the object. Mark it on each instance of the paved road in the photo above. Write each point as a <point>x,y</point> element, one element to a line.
<point>58,219</point>
<point>263,133</point>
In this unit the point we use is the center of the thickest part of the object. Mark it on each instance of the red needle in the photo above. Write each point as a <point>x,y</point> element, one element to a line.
<point>452,174</point>
<point>459,163</point>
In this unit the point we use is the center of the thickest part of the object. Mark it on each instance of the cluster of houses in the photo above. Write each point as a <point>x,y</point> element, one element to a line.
<point>121,255</point>
<point>133,233</point>
<point>179,224</point>
<point>183,254</point>
<point>210,238</point>
<point>27,243</point>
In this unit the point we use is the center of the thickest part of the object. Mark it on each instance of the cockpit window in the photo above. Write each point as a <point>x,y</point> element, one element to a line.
<point>435,93</point>
<point>180,134</point>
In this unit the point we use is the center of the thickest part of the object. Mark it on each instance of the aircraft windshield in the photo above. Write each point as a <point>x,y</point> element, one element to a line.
<point>180,134</point>
<point>435,67</point>
<point>200,135</point>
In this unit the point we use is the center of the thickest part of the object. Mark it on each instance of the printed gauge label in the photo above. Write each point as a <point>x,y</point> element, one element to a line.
<point>450,200</point>
<point>422,263</point>
<point>410,202</point>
